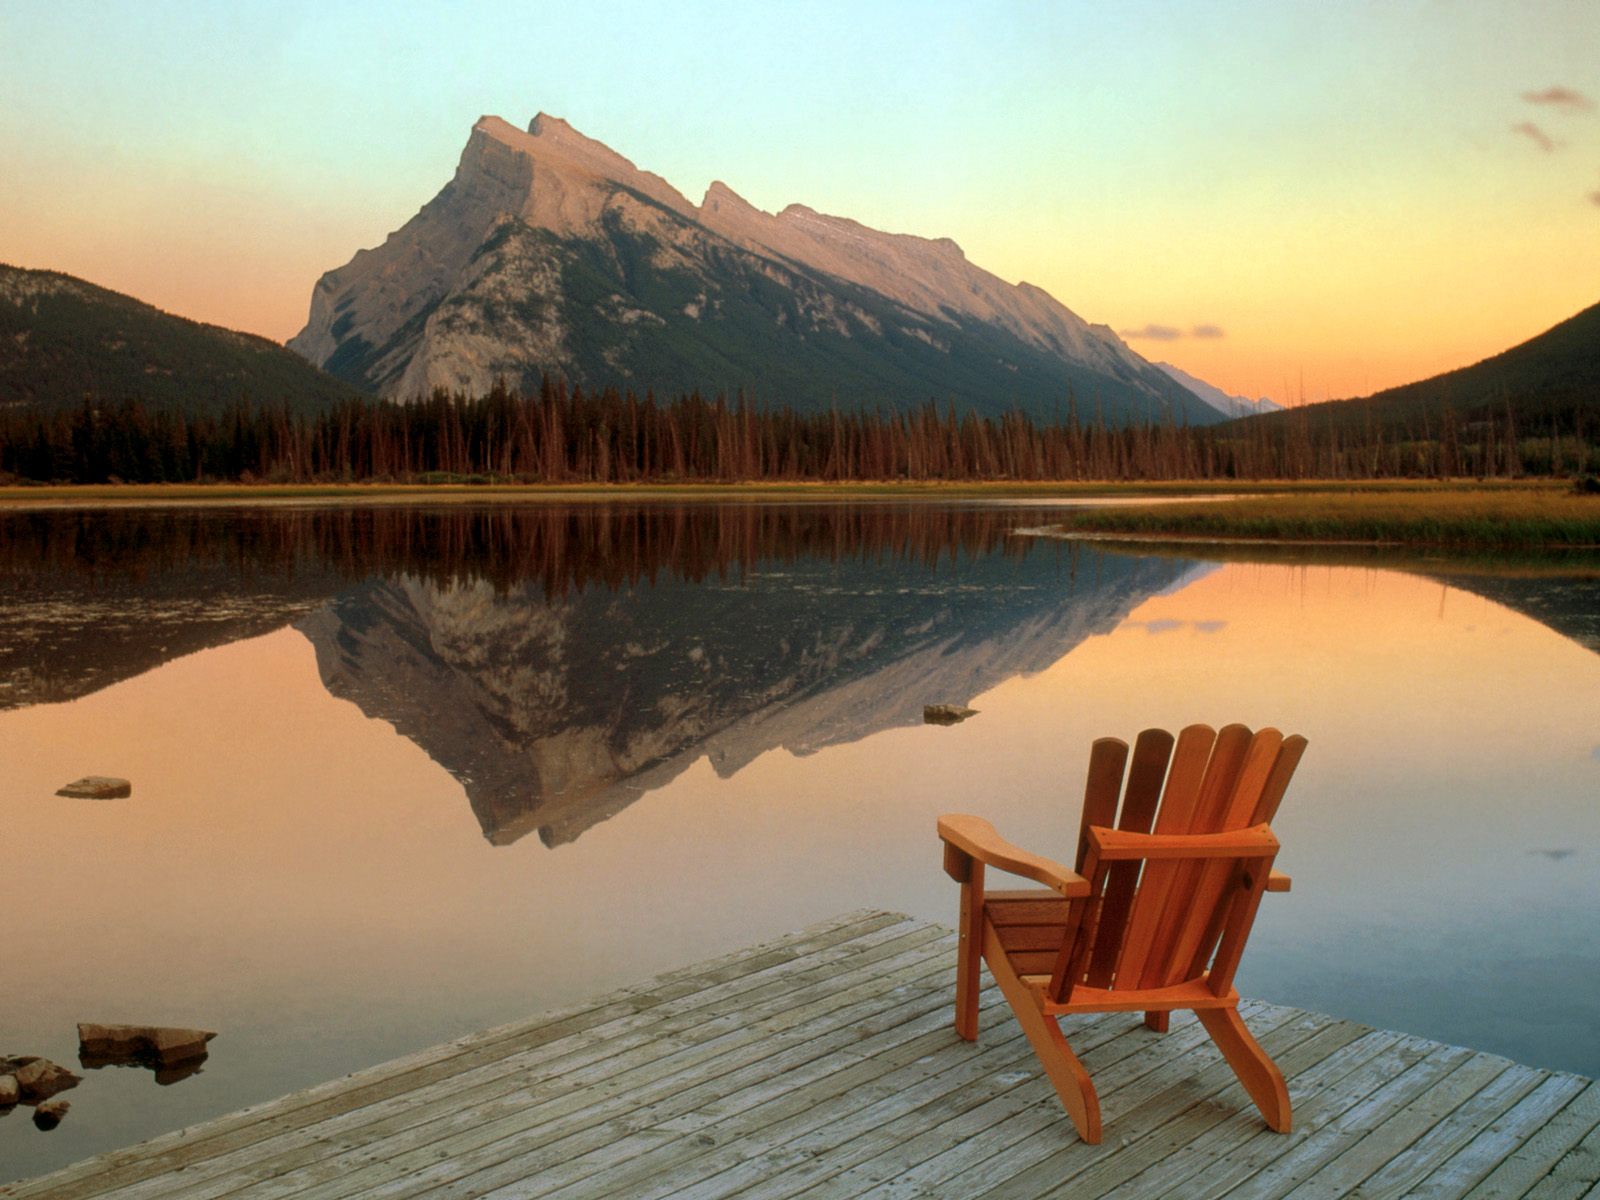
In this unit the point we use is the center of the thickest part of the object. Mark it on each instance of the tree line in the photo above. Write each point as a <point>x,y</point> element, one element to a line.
<point>562,435</point>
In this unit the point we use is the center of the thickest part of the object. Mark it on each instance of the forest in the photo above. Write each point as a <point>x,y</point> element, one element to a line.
<point>559,435</point>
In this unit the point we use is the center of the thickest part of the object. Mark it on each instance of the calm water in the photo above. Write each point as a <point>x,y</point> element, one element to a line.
<point>400,775</point>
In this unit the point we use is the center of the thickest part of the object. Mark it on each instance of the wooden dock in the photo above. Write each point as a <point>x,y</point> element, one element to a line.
<point>823,1064</point>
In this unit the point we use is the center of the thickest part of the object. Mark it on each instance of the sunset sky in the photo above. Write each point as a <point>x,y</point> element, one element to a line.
<point>1345,196</point>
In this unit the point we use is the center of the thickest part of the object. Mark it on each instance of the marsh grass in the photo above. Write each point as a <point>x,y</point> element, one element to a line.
<point>1459,517</point>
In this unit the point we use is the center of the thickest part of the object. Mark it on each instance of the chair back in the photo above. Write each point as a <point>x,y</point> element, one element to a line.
<point>1170,900</point>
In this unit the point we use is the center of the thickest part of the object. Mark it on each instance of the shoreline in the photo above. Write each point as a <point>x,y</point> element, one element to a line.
<point>101,495</point>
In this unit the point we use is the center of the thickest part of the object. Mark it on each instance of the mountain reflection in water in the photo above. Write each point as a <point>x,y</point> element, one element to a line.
<point>561,661</point>
<point>557,712</point>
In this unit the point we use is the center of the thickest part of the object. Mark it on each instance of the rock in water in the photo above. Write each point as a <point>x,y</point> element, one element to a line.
<point>48,1115</point>
<point>946,714</point>
<point>144,1045</point>
<point>97,787</point>
<point>10,1091</point>
<point>39,1079</point>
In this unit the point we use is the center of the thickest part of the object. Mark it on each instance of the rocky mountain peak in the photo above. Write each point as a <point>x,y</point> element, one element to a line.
<point>566,164</point>
<point>549,251</point>
<point>719,195</point>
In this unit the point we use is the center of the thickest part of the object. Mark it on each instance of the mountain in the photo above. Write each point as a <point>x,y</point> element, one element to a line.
<point>1228,406</point>
<point>550,252</point>
<point>67,341</point>
<point>1551,379</point>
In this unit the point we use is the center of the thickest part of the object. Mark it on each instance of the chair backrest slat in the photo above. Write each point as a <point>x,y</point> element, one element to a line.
<point>1189,758</point>
<point>1151,753</point>
<point>1159,922</point>
<point>1107,757</point>
<point>1272,795</point>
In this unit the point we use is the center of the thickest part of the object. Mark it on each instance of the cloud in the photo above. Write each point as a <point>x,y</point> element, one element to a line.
<point>1535,135</point>
<point>1159,333</point>
<point>1171,333</point>
<point>1560,97</point>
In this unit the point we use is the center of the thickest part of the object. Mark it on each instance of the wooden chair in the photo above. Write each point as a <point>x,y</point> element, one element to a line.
<point>1110,937</point>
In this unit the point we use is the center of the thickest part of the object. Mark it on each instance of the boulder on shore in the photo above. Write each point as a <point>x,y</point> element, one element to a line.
<point>97,787</point>
<point>946,714</point>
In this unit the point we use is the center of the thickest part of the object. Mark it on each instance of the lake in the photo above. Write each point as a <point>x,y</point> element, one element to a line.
<point>401,773</point>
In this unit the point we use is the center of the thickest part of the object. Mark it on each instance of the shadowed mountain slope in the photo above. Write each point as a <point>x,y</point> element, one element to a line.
<point>1552,380</point>
<point>67,342</point>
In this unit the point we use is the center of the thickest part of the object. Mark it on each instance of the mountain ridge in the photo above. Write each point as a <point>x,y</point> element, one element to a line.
<point>69,341</point>
<point>1226,404</point>
<point>1552,377</point>
<point>548,251</point>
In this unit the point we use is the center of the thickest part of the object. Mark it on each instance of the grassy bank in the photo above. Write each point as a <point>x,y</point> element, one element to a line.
<point>1452,517</point>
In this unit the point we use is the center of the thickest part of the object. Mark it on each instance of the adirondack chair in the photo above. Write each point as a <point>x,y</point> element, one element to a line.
<point>1110,937</point>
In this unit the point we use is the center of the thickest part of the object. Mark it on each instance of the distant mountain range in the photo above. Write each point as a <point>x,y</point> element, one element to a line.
<point>66,341</point>
<point>1228,406</point>
<point>550,252</point>
<point>1549,380</point>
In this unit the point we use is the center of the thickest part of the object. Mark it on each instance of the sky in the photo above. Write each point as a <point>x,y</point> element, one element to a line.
<point>1293,199</point>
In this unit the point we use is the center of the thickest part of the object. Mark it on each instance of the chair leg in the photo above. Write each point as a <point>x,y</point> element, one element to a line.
<point>1258,1073</point>
<point>1157,1021</point>
<point>1061,1065</point>
<point>969,955</point>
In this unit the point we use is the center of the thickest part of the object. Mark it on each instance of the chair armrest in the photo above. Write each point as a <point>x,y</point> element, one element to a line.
<point>1277,881</point>
<point>976,838</point>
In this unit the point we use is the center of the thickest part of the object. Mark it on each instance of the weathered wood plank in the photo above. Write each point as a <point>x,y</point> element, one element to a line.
<point>1450,1134</point>
<point>1367,1135</point>
<point>998,1123</point>
<point>1181,1113</point>
<point>1269,1164</point>
<point>1576,1173</point>
<point>1459,1173</point>
<point>1538,1155</point>
<point>524,1088</point>
<point>1175,1112</point>
<point>1106,1047</point>
<point>1398,1130</point>
<point>1198,1140</point>
<point>115,1168</point>
<point>929,1158</point>
<point>823,1064</point>
<point>793,1144</point>
<point>593,1108</point>
<point>472,1095</point>
<point>784,1114</point>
